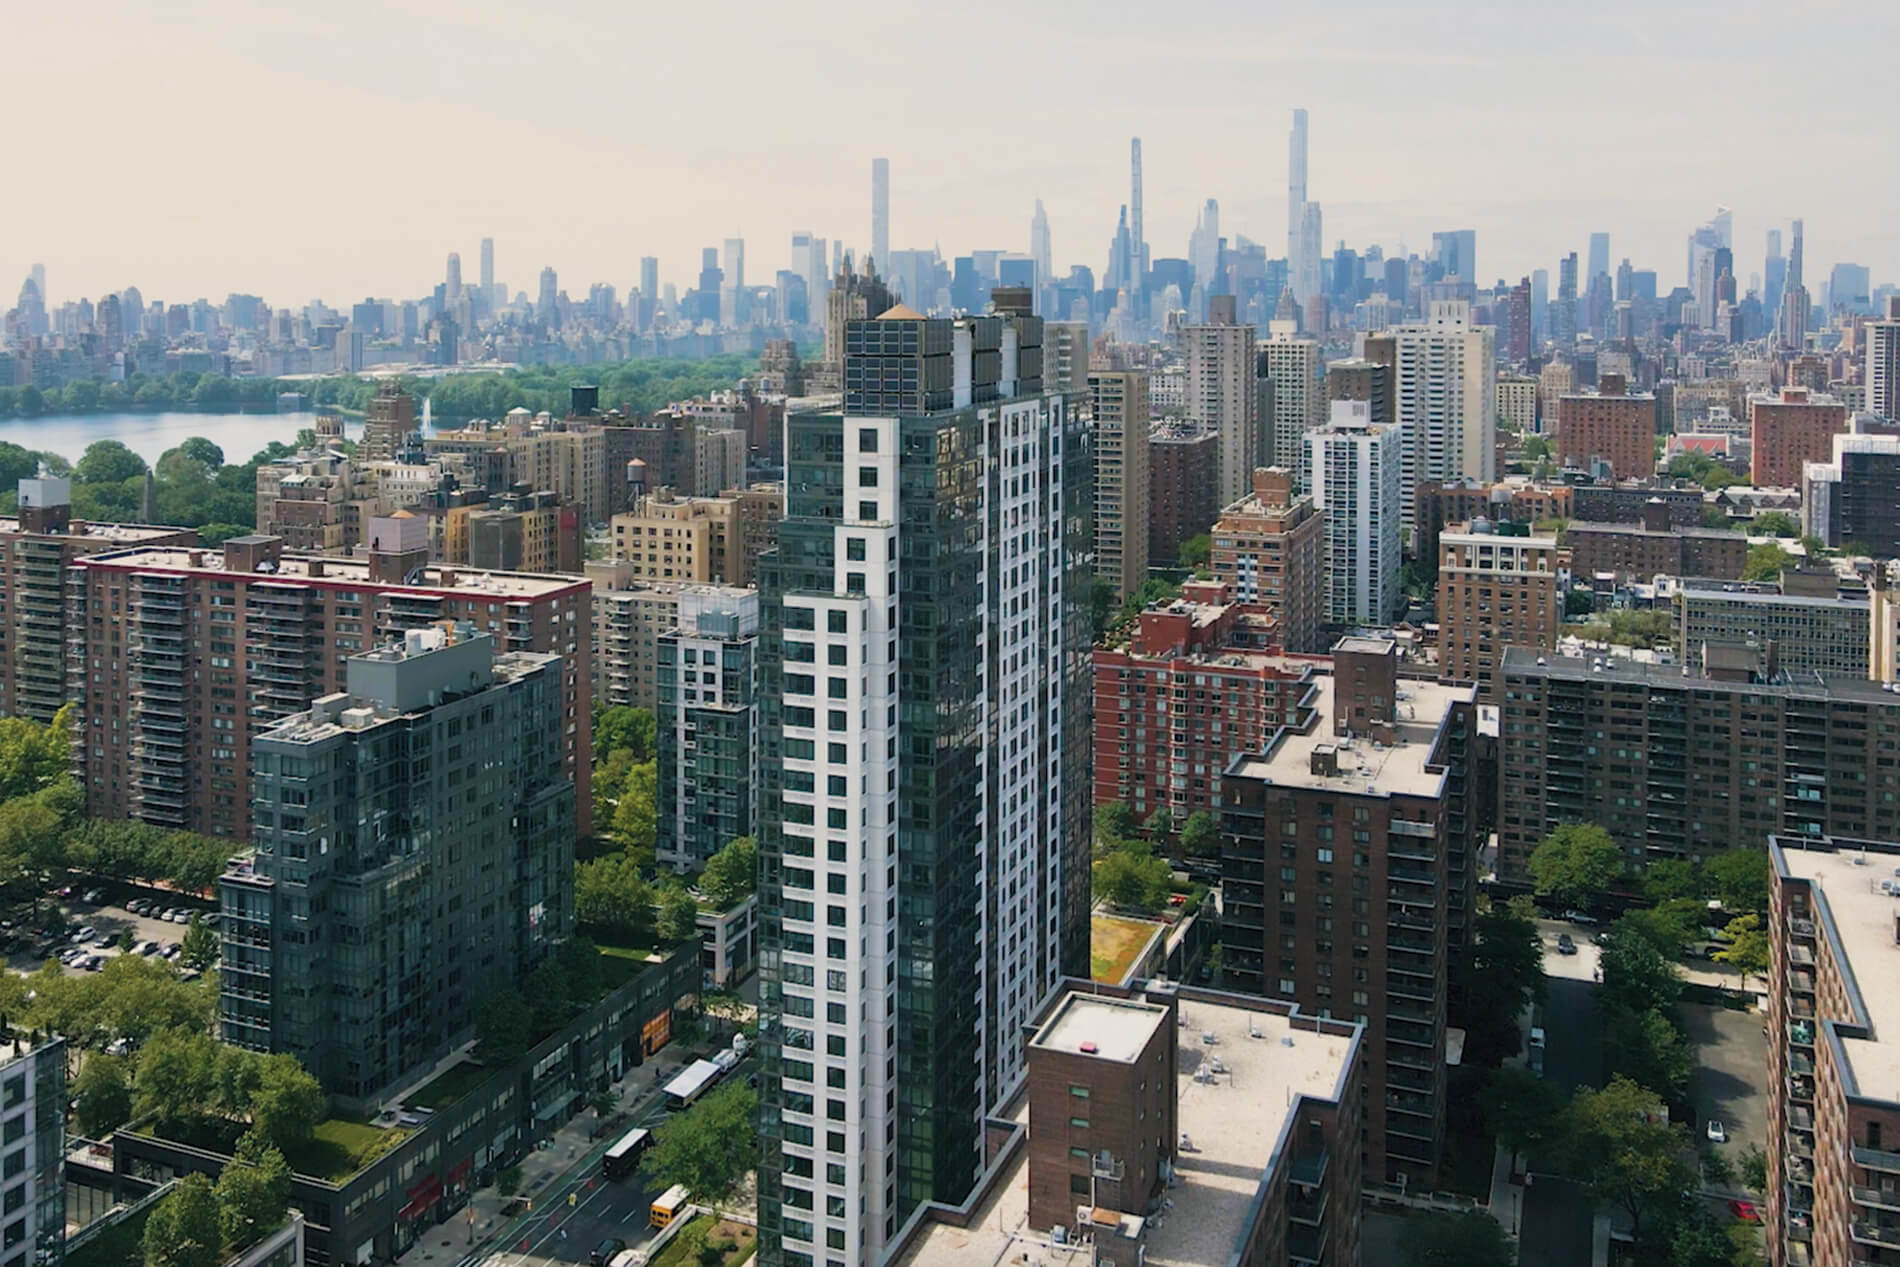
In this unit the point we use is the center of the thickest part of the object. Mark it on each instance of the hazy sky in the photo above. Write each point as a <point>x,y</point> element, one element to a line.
<point>341,149</point>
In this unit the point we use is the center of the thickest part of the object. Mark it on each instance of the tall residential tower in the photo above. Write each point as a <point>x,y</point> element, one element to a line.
<point>924,828</point>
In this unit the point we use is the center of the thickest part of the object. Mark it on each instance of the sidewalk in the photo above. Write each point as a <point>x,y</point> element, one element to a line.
<point>472,1231</point>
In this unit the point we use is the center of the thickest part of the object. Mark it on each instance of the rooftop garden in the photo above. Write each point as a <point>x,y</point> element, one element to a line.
<point>1114,943</point>
<point>448,1086</point>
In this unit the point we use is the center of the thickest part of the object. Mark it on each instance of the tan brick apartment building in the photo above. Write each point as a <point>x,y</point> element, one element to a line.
<point>1269,548</point>
<point>1496,589</point>
<point>1612,425</point>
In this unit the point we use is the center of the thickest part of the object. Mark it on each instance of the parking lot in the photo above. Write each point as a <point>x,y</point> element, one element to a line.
<point>153,934</point>
<point>1731,1053</point>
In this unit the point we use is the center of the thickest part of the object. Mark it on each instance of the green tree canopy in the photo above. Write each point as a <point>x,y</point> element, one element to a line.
<point>1669,926</point>
<point>1200,835</point>
<point>1576,864</point>
<point>1503,976</point>
<point>1196,550</point>
<point>625,728</point>
<point>678,919</point>
<point>613,900</point>
<point>635,816</point>
<point>1647,1048</point>
<point>102,1096</point>
<point>34,756</point>
<point>709,1148</point>
<point>1526,1111</point>
<point>199,949</point>
<point>1133,878</point>
<point>183,1228</point>
<point>1774,523</point>
<point>107,462</point>
<point>504,1025</point>
<point>1637,975</point>
<point>1626,1152</point>
<point>1667,878</point>
<point>731,874</point>
<point>253,1193</point>
<point>1113,821</point>
<point>1747,950</point>
<point>1471,1238</point>
<point>1764,562</point>
<point>1739,878</point>
<point>288,1102</point>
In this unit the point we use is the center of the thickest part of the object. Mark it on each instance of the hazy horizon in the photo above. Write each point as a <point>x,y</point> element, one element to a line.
<point>340,152</point>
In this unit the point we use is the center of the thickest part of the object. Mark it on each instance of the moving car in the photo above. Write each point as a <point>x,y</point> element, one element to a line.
<point>1718,1133</point>
<point>606,1251</point>
<point>1746,1211</point>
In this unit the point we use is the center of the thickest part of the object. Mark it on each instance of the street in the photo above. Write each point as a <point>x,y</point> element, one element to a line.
<point>1558,1219</point>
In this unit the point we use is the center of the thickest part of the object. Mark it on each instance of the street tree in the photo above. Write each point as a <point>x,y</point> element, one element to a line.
<point>1524,1110</point>
<point>1636,975</point>
<point>1648,1049</point>
<point>1200,835</point>
<point>709,1148</point>
<point>102,1095</point>
<point>1667,878</point>
<point>199,949</point>
<point>1576,864</point>
<point>1739,878</point>
<point>1114,821</point>
<point>1627,1153</point>
<point>1747,950</point>
<point>1470,1238</point>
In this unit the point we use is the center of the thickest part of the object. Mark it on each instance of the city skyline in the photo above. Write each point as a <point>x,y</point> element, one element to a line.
<point>1214,125</point>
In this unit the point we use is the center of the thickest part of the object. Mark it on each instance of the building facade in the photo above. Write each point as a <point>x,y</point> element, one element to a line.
<point>1498,586</point>
<point>1676,766</point>
<point>37,547</point>
<point>1446,397</point>
<point>1833,1190</point>
<point>924,832</point>
<point>414,854</point>
<point>707,726</point>
<point>1193,689</point>
<point>1221,400</point>
<point>1358,483</point>
<point>1611,428</point>
<point>629,618</point>
<point>1183,465</point>
<point>1788,430</point>
<point>1292,365</point>
<point>1854,500</point>
<point>1656,547</point>
<point>1349,873</point>
<point>1119,403</point>
<point>1269,548</point>
<point>1815,630</point>
<point>186,654</point>
<point>33,1157</point>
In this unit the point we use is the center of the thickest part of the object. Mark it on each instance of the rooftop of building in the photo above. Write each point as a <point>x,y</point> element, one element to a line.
<point>83,530</point>
<point>1234,1128</point>
<point>338,571</point>
<point>1100,1026</point>
<point>1365,767</point>
<point>1593,527</point>
<point>1861,919</point>
<point>1528,662</point>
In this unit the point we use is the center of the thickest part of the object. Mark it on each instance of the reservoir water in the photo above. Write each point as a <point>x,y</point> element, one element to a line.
<point>151,434</point>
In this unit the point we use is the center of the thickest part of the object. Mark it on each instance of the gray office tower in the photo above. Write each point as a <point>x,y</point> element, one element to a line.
<point>881,214</point>
<point>414,854</point>
<point>924,832</point>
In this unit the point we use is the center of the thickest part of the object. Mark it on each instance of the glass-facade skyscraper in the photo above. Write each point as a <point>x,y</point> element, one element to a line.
<point>925,817</point>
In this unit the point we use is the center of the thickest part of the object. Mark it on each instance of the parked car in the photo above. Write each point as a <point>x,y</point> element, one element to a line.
<point>1600,939</point>
<point>1565,946</point>
<point>179,917</point>
<point>1580,917</point>
<point>147,948</point>
<point>92,896</point>
<point>1717,1133</point>
<point>170,951</point>
<point>1746,1211</point>
<point>85,933</point>
<point>92,963</point>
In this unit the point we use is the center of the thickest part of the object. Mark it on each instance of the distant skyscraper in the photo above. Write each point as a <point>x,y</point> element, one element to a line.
<point>1563,322</point>
<point>1296,201</point>
<point>1204,247</point>
<point>452,278</point>
<point>1039,246</point>
<point>1456,252</point>
<point>1137,245</point>
<point>1518,333</point>
<point>881,213</point>
<point>1307,282</point>
<point>1849,289</point>
<point>1774,276</point>
<point>1540,305</point>
<point>488,269</point>
<point>546,307</point>
<point>650,277</point>
<point>1599,258</point>
<point>39,281</point>
<point>1794,298</point>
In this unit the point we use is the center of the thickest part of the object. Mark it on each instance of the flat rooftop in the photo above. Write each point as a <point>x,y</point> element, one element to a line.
<point>1862,924</point>
<point>1106,1028</point>
<point>1399,768</point>
<point>295,568</point>
<point>1592,527</point>
<point>1235,1124</point>
<point>86,530</point>
<point>1528,662</point>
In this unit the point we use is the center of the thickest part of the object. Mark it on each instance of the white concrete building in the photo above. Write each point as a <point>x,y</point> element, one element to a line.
<point>1357,467</point>
<point>1445,396</point>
